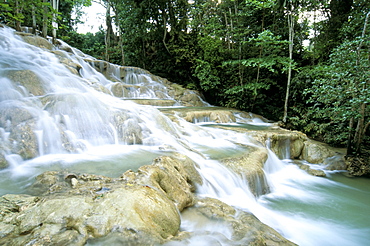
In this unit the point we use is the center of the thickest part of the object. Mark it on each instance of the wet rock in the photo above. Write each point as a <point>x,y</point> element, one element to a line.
<point>316,152</point>
<point>4,147</point>
<point>24,140</point>
<point>75,218</point>
<point>244,228</point>
<point>122,90</point>
<point>190,99</point>
<point>288,145</point>
<point>154,102</point>
<point>335,163</point>
<point>68,63</point>
<point>12,115</point>
<point>186,97</point>
<point>217,116</point>
<point>100,65</point>
<point>250,165</point>
<point>127,237</point>
<point>74,208</point>
<point>129,80</point>
<point>128,128</point>
<point>284,143</point>
<point>312,171</point>
<point>27,79</point>
<point>176,176</point>
<point>316,172</point>
<point>197,115</point>
<point>36,40</point>
<point>3,162</point>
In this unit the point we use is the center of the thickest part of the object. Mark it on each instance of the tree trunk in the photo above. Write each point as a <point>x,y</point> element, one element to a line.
<point>45,19</point>
<point>165,32</point>
<point>291,43</point>
<point>349,140</point>
<point>17,12</point>
<point>359,133</point>
<point>120,44</point>
<point>227,39</point>
<point>54,21</point>
<point>34,24</point>
<point>107,38</point>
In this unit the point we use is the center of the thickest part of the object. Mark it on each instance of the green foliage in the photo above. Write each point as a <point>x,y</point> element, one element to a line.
<point>269,60</point>
<point>337,95</point>
<point>16,13</point>
<point>13,11</point>
<point>208,76</point>
<point>92,44</point>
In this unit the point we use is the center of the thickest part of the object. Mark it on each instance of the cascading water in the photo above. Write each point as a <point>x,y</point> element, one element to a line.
<point>63,116</point>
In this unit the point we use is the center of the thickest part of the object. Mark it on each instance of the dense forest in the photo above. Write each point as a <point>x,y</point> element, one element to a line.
<point>304,63</point>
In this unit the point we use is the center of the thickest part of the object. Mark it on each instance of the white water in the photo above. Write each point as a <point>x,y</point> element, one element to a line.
<point>305,209</point>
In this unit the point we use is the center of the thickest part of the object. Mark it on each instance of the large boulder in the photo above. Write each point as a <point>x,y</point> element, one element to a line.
<point>176,176</point>
<point>128,127</point>
<point>36,40</point>
<point>73,219</point>
<point>316,152</point>
<point>243,228</point>
<point>13,114</point>
<point>250,165</point>
<point>67,62</point>
<point>17,135</point>
<point>209,115</point>
<point>23,140</point>
<point>284,143</point>
<point>3,162</point>
<point>68,208</point>
<point>27,79</point>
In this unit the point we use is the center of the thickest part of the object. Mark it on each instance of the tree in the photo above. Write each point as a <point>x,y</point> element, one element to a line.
<point>292,12</point>
<point>342,94</point>
<point>268,60</point>
<point>15,13</point>
<point>338,12</point>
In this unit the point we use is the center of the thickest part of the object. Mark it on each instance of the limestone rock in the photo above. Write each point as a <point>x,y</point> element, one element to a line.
<point>154,102</point>
<point>29,80</point>
<point>250,165</point>
<point>120,90</point>
<point>284,143</point>
<point>68,63</point>
<point>217,116</point>
<point>316,152</point>
<point>75,218</point>
<point>24,140</point>
<point>128,128</point>
<point>190,99</point>
<point>36,41</point>
<point>176,176</point>
<point>336,162</point>
<point>3,162</point>
<point>12,115</point>
<point>69,208</point>
<point>244,228</point>
<point>312,171</point>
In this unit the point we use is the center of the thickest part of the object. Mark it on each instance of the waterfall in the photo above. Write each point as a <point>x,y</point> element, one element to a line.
<point>63,110</point>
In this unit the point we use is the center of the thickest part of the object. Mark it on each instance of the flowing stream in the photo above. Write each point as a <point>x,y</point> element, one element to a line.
<point>81,129</point>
